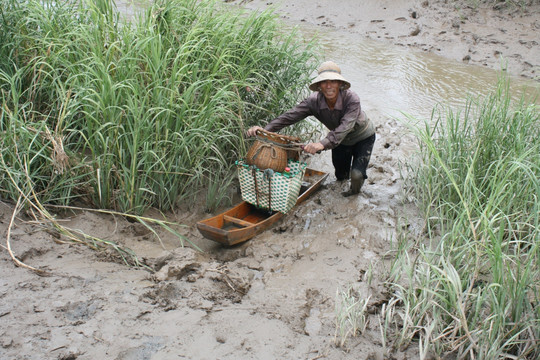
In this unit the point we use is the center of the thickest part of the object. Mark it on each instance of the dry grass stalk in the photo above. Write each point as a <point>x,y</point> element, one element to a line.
<point>8,243</point>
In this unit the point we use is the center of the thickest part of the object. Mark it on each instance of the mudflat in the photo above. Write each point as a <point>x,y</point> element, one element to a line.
<point>499,36</point>
<point>272,297</point>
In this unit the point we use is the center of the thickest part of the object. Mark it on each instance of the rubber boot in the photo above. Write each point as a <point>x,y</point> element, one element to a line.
<point>357,180</point>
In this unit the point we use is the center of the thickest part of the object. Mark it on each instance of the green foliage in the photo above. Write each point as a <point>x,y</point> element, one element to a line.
<point>137,114</point>
<point>351,315</point>
<point>474,289</point>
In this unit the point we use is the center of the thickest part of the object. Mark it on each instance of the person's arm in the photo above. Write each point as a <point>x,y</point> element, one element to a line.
<point>294,115</point>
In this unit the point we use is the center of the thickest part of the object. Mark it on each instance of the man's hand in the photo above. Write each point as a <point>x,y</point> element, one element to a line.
<point>252,131</point>
<point>313,148</point>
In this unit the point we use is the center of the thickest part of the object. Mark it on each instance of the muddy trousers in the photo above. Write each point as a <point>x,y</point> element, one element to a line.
<point>347,157</point>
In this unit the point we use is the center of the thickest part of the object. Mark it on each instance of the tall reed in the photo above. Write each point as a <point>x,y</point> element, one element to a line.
<point>121,116</point>
<point>473,289</point>
<point>147,113</point>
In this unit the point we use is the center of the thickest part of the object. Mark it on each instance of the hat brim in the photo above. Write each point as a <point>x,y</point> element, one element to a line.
<point>328,75</point>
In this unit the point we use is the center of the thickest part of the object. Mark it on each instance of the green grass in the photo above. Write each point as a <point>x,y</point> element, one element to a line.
<point>351,315</point>
<point>149,112</point>
<point>131,115</point>
<point>472,290</point>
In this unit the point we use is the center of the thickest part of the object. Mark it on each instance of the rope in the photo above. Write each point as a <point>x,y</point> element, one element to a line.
<point>272,148</point>
<point>267,175</point>
<point>290,146</point>
<point>254,173</point>
<point>287,142</point>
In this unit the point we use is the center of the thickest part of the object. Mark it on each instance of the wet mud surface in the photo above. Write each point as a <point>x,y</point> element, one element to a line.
<point>499,35</point>
<point>271,297</point>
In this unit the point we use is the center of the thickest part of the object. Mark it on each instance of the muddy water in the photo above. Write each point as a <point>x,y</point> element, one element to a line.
<point>394,79</point>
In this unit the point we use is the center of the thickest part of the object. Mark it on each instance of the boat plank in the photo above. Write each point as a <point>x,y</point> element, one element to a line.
<point>237,221</point>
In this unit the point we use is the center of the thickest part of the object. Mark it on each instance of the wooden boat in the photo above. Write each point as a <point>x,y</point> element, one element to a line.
<point>244,221</point>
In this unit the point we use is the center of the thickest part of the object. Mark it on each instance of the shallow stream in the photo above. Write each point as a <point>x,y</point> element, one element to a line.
<point>393,80</point>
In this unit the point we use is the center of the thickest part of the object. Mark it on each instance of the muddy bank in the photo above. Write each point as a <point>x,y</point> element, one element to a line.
<point>501,36</point>
<point>272,297</point>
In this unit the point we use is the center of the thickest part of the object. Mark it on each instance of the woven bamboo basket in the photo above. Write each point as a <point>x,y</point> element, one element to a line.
<point>269,151</point>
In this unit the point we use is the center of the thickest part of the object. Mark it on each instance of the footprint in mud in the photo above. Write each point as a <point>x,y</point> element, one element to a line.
<point>164,295</point>
<point>315,304</point>
<point>149,347</point>
<point>177,264</point>
<point>347,236</point>
<point>33,252</point>
<point>185,279</point>
<point>80,311</point>
<point>313,322</point>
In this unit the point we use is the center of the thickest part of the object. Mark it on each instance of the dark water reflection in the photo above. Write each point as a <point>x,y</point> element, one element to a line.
<point>393,79</point>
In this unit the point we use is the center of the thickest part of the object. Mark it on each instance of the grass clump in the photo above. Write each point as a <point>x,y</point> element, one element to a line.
<point>473,289</point>
<point>147,112</point>
<point>351,314</point>
<point>128,115</point>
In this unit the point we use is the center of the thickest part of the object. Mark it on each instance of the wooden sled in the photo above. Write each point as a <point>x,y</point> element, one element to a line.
<point>244,221</point>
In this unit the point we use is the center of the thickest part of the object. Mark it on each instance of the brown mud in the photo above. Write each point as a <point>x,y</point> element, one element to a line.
<point>498,35</point>
<point>271,297</point>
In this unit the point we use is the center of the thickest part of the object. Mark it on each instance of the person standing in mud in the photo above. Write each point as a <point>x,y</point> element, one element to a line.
<point>352,134</point>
